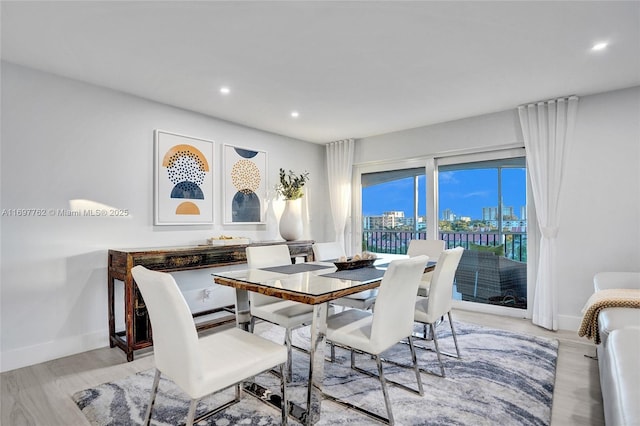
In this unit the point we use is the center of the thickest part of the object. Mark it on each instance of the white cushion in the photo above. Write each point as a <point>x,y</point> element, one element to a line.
<point>619,377</point>
<point>363,300</point>
<point>285,313</point>
<point>232,355</point>
<point>422,309</point>
<point>351,328</point>
<point>425,284</point>
<point>610,319</point>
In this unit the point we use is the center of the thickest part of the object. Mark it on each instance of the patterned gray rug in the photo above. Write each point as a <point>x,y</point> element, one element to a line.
<point>503,378</point>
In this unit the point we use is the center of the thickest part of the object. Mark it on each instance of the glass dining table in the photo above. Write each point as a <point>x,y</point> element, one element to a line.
<point>313,283</point>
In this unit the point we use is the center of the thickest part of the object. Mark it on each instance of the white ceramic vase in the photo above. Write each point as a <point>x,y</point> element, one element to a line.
<point>291,220</point>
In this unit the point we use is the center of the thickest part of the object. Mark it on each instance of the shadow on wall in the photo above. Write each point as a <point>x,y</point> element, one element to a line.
<point>86,304</point>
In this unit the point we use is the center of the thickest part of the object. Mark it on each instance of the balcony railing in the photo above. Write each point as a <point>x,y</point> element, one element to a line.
<point>397,242</point>
<point>481,276</point>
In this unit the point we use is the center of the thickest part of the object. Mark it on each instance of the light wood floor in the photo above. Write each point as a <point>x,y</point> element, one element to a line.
<point>41,394</point>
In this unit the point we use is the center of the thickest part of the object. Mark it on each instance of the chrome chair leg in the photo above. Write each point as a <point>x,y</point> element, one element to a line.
<point>414,360</point>
<point>430,332</point>
<point>435,343</point>
<point>284,402</point>
<point>383,383</point>
<point>287,342</point>
<point>192,412</point>
<point>152,400</point>
<point>453,333</point>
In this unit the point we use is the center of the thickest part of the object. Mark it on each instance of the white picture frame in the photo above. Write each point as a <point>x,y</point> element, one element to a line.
<point>245,185</point>
<point>183,179</point>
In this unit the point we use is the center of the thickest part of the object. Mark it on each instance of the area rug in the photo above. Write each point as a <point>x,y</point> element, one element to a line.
<point>503,378</point>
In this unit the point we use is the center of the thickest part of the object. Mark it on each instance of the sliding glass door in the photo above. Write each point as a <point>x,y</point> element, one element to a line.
<point>477,201</point>
<point>482,207</point>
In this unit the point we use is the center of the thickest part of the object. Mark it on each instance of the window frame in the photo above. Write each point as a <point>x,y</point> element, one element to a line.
<point>431,164</point>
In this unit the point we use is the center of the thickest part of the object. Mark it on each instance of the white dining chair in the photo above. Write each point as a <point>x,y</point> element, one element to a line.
<point>333,251</point>
<point>429,310</point>
<point>391,321</point>
<point>431,248</point>
<point>285,313</point>
<point>206,365</point>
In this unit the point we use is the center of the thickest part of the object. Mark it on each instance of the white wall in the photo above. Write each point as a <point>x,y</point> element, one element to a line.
<point>600,207</point>
<point>490,130</point>
<point>64,140</point>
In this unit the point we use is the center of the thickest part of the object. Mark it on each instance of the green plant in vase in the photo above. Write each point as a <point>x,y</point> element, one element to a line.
<point>291,184</point>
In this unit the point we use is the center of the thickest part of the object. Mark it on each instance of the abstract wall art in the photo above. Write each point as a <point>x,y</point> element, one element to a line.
<point>245,185</point>
<point>183,180</point>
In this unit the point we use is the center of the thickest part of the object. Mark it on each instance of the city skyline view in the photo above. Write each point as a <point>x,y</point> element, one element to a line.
<point>463,192</point>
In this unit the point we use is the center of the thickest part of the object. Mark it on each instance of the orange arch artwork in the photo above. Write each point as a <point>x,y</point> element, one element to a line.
<point>184,179</point>
<point>187,208</point>
<point>178,151</point>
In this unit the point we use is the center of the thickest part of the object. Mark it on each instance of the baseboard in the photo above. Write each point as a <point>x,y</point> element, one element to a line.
<point>31,355</point>
<point>569,322</point>
<point>565,322</point>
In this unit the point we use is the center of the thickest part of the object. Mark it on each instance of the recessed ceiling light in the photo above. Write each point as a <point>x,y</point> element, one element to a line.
<point>295,114</point>
<point>225,90</point>
<point>599,46</point>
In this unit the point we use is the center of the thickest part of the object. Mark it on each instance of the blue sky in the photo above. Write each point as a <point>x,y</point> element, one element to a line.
<point>464,192</point>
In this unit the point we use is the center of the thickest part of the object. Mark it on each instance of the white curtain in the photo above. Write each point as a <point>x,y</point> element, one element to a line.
<point>547,128</point>
<point>339,169</point>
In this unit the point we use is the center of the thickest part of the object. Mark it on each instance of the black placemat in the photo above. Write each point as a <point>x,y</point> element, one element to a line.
<point>362,274</point>
<point>296,268</point>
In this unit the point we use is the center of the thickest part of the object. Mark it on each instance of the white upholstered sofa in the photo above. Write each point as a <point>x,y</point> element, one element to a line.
<point>619,352</point>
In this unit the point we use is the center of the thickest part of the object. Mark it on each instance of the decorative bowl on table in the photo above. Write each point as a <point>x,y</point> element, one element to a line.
<point>356,262</point>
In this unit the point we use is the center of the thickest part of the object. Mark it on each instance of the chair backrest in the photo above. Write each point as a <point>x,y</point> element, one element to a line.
<point>393,315</point>
<point>265,257</point>
<point>175,339</point>
<point>328,251</point>
<point>431,248</point>
<point>440,293</point>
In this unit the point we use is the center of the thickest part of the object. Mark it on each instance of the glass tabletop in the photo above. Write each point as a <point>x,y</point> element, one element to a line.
<point>309,282</point>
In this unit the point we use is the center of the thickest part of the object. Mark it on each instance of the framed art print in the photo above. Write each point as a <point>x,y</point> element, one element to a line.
<point>245,185</point>
<point>183,180</point>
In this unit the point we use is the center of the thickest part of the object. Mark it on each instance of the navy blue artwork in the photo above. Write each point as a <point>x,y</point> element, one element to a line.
<point>187,189</point>
<point>245,207</point>
<point>245,153</point>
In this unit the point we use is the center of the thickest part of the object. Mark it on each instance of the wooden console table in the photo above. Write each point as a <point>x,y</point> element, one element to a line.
<point>138,333</point>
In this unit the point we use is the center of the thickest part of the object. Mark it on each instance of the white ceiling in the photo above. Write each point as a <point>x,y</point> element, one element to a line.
<point>351,69</point>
